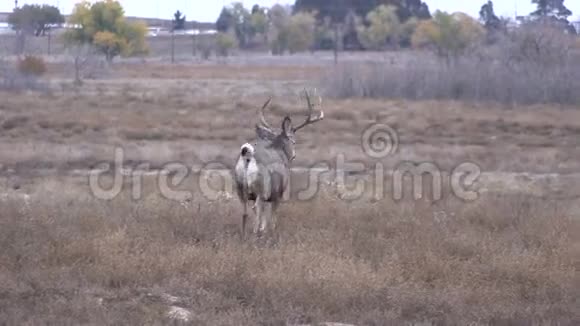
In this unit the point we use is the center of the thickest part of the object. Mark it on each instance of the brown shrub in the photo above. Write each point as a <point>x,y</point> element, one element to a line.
<point>32,66</point>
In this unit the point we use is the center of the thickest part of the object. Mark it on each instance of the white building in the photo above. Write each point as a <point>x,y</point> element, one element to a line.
<point>5,28</point>
<point>161,31</point>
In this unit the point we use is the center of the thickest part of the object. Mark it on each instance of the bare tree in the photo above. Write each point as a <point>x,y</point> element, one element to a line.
<point>86,62</point>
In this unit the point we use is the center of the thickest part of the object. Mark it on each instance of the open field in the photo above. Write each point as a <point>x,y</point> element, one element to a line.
<point>509,257</point>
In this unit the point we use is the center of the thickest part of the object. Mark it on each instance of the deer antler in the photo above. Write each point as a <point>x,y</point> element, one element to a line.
<point>310,120</point>
<point>261,114</point>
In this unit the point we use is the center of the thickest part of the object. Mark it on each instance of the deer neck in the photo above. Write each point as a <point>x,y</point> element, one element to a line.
<point>278,145</point>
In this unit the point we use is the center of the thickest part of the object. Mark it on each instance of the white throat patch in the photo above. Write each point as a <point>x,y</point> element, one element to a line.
<point>249,149</point>
<point>247,167</point>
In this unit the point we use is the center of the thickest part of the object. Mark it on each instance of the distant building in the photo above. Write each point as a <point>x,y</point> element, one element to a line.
<point>206,32</point>
<point>4,17</point>
<point>512,24</point>
<point>155,26</point>
<point>153,31</point>
<point>5,28</point>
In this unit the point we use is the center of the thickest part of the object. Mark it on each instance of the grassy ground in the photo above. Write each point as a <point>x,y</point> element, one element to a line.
<point>158,113</point>
<point>509,257</point>
<point>69,258</point>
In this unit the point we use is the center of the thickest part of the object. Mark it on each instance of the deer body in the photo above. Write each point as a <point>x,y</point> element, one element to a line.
<point>262,171</point>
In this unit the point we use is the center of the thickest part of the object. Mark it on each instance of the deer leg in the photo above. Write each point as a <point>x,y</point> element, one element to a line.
<point>254,207</point>
<point>273,214</point>
<point>258,205</point>
<point>266,217</point>
<point>244,219</point>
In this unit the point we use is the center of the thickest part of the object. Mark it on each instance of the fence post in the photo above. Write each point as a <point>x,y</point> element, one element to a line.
<point>336,43</point>
<point>194,45</point>
<point>172,46</point>
<point>49,39</point>
<point>20,42</point>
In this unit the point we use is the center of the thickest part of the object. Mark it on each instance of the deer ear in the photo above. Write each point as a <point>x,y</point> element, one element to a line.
<point>287,126</point>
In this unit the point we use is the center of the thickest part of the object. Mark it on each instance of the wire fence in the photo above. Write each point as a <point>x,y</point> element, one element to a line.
<point>178,46</point>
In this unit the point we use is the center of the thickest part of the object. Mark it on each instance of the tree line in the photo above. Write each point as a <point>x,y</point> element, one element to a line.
<point>101,25</point>
<point>368,25</point>
<point>307,25</point>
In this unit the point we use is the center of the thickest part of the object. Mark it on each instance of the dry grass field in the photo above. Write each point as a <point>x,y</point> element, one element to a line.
<point>510,257</point>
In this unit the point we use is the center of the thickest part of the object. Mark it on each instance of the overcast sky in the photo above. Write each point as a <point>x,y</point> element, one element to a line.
<point>208,10</point>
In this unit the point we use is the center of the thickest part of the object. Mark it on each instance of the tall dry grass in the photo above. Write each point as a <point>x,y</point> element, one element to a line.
<point>532,65</point>
<point>14,80</point>
<point>70,259</point>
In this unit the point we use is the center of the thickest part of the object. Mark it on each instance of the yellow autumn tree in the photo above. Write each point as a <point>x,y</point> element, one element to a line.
<point>449,35</point>
<point>103,25</point>
<point>300,32</point>
<point>383,27</point>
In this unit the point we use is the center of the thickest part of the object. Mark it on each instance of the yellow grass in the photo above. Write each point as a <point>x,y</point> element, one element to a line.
<point>68,257</point>
<point>510,257</point>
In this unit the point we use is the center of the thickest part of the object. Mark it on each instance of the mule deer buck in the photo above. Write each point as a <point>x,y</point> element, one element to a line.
<point>262,170</point>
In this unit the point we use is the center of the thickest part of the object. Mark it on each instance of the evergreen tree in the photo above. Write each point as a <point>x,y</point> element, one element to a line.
<point>551,8</point>
<point>553,11</point>
<point>337,10</point>
<point>178,21</point>
<point>225,20</point>
<point>488,17</point>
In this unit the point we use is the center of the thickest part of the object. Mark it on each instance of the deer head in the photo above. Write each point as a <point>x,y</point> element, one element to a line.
<point>285,139</point>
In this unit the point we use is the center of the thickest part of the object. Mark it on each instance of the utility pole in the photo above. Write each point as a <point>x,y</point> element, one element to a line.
<point>48,37</point>
<point>194,48</point>
<point>19,34</point>
<point>173,41</point>
<point>337,40</point>
<point>172,46</point>
<point>335,44</point>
